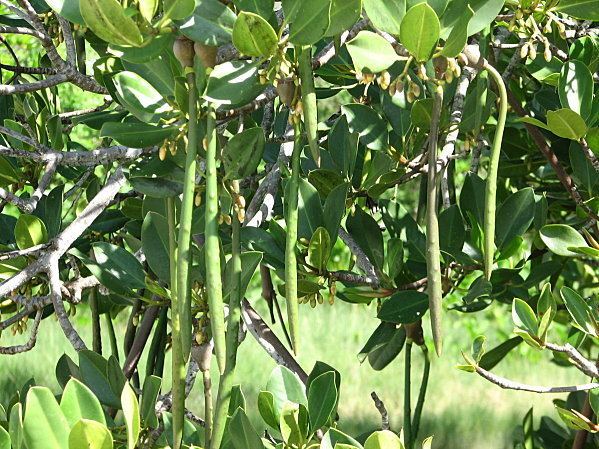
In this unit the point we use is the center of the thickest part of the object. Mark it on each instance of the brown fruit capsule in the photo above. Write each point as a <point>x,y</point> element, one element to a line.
<point>286,91</point>
<point>206,53</point>
<point>183,50</point>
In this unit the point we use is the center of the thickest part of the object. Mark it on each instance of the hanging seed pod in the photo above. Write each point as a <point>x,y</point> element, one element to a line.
<point>286,91</point>
<point>547,52</point>
<point>392,88</point>
<point>162,152</point>
<point>240,201</point>
<point>184,52</point>
<point>206,54</point>
<point>241,215</point>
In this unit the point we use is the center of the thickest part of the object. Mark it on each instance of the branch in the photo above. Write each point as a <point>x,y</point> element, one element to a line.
<point>269,341</point>
<point>380,406</point>
<point>589,154</point>
<point>511,385</point>
<point>11,350</point>
<point>362,260</point>
<point>583,364</point>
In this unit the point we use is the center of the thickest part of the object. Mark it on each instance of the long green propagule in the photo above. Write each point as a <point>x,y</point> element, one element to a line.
<point>214,288</point>
<point>291,218</point>
<point>491,187</point>
<point>179,272</point>
<point>433,252</point>
<point>233,323</point>
<point>475,60</point>
<point>309,101</point>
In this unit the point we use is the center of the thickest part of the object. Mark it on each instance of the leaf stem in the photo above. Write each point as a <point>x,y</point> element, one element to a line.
<point>433,252</point>
<point>491,186</point>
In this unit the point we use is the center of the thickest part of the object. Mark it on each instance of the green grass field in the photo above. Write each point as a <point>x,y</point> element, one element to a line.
<point>461,410</point>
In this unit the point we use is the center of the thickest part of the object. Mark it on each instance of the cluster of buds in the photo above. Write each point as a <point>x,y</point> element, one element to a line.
<point>312,299</point>
<point>239,207</point>
<point>365,77</point>
<point>20,326</point>
<point>185,50</point>
<point>224,218</point>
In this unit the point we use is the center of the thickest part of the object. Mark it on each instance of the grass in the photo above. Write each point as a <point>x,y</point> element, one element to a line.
<point>461,410</point>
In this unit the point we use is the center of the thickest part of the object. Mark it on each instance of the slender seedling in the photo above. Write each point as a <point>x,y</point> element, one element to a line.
<point>433,258</point>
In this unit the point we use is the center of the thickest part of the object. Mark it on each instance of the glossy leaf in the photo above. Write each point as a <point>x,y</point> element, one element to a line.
<point>404,307</point>
<point>243,152</point>
<point>177,9</point>
<point>580,9</point>
<point>383,439</point>
<point>319,249</point>
<point>386,15</point>
<point>322,398</point>
<point>243,434</point>
<point>30,231</point>
<point>524,317</point>
<point>233,83</point>
<point>559,238</point>
<point>90,434</point>
<point>371,53</point>
<point>137,134</point>
<point>210,24</point>
<point>155,244</point>
<point>368,124</point>
<point>310,20</point>
<point>419,31</point>
<point>575,88</point>
<point>131,414</point>
<point>69,9</point>
<point>254,36</point>
<point>44,425</point>
<point>79,402</point>
<point>514,216</point>
<point>343,14</point>
<point>580,310</point>
<point>566,123</point>
<point>285,386</point>
<point>107,19</point>
<point>458,37</point>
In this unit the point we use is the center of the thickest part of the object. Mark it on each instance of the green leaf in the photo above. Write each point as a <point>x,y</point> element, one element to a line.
<point>108,20</point>
<point>148,9</point>
<point>574,420</point>
<point>546,309</point>
<point>534,121</point>
<point>524,317</point>
<point>30,231</point>
<point>386,15</point>
<point>93,369</point>
<point>154,241</point>
<point>90,435</point>
<point>137,134</point>
<point>15,426</point>
<point>69,9</point>
<point>322,398</point>
<point>419,31</point>
<point>559,238</point>
<point>566,123</point>
<point>44,426</point>
<point>8,175</point>
<point>334,437</point>
<point>458,37</point>
<point>343,14</point>
<point>491,358</point>
<point>177,9</point>
<point>383,439</point>
<point>367,234</point>
<point>371,53</point>
<point>249,262</point>
<point>319,249</point>
<point>451,240</point>
<point>78,402</point>
<point>579,9</point>
<point>262,7</point>
<point>478,347</point>
<point>267,410</point>
<point>485,12</point>
<point>514,217</point>
<point>149,395</point>
<point>406,306</point>
<point>4,439</point>
<point>139,97</point>
<point>310,20</point>
<point>368,124</point>
<point>233,83</point>
<point>254,36</point>
<point>575,88</point>
<point>580,311</point>
<point>243,152</point>
<point>285,386</point>
<point>243,434</point>
<point>131,414</point>
<point>115,268</point>
<point>210,24</point>
<point>334,208</point>
<point>156,187</point>
<point>309,209</point>
<point>594,399</point>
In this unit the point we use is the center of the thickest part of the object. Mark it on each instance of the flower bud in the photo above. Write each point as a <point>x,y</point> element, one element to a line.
<point>286,91</point>
<point>384,80</point>
<point>162,153</point>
